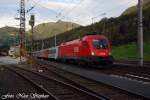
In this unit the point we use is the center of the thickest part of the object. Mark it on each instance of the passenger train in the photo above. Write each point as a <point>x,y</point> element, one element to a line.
<point>88,49</point>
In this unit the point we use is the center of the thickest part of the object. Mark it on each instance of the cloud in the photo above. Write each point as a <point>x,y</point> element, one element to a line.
<point>8,21</point>
<point>54,5</point>
<point>83,13</point>
<point>70,10</point>
<point>129,2</point>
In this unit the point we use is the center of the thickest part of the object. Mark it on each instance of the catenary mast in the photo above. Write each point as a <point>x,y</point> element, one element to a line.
<point>140,32</point>
<point>22,29</point>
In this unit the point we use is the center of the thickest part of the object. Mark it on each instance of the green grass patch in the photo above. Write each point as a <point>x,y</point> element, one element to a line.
<point>129,52</point>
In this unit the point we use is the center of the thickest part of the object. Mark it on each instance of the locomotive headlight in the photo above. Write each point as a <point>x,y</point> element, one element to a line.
<point>93,53</point>
<point>109,53</point>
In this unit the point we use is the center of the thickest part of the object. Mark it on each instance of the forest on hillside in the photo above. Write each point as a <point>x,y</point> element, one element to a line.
<point>119,30</point>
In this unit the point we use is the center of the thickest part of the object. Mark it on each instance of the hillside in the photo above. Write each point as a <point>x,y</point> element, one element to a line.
<point>7,31</point>
<point>7,36</point>
<point>42,31</point>
<point>146,5</point>
<point>120,30</point>
<point>46,30</point>
<point>129,52</point>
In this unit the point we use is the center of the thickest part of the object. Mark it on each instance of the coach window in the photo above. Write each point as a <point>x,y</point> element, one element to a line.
<point>52,51</point>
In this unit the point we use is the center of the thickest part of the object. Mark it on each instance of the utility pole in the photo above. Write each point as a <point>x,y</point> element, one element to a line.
<point>22,29</point>
<point>37,48</point>
<point>92,20</point>
<point>93,29</point>
<point>140,32</point>
<point>104,27</point>
<point>55,40</point>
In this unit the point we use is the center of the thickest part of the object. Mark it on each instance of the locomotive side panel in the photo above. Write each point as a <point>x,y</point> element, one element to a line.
<point>72,49</point>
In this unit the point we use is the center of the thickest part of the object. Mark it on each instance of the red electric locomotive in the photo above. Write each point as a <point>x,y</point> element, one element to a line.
<point>90,48</point>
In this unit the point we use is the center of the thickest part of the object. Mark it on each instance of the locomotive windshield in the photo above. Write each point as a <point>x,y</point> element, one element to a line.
<point>100,44</point>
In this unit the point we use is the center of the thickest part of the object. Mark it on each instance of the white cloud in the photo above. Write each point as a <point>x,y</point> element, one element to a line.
<point>129,2</point>
<point>54,5</point>
<point>81,14</point>
<point>8,21</point>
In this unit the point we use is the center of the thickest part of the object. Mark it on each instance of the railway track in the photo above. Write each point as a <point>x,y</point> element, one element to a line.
<point>132,72</point>
<point>34,84</point>
<point>14,86</point>
<point>133,62</point>
<point>95,87</point>
<point>144,78</point>
<point>137,73</point>
<point>58,90</point>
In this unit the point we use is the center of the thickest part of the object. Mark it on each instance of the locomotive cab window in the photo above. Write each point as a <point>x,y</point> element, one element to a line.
<point>100,44</point>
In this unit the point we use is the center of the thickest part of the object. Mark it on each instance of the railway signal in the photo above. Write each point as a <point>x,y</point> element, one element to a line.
<point>31,23</point>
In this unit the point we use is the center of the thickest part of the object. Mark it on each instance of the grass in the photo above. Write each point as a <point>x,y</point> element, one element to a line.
<point>129,52</point>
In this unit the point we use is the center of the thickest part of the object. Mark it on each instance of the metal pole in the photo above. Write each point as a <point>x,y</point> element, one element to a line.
<point>37,46</point>
<point>140,32</point>
<point>93,24</point>
<point>31,23</point>
<point>32,40</point>
<point>42,45</point>
<point>92,20</point>
<point>104,27</point>
<point>32,44</point>
<point>55,40</point>
<point>22,28</point>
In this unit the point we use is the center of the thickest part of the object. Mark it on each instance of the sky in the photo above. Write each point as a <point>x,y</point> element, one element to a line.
<point>78,11</point>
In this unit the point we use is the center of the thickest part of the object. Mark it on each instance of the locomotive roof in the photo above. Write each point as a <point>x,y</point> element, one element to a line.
<point>80,39</point>
<point>94,33</point>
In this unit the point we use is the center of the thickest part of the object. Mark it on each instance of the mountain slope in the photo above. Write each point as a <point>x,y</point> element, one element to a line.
<point>46,30</point>
<point>7,31</point>
<point>131,10</point>
<point>7,36</point>
<point>119,30</point>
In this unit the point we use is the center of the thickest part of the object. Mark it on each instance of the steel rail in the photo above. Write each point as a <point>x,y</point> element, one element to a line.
<point>66,84</point>
<point>76,84</point>
<point>52,97</point>
<point>46,62</point>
